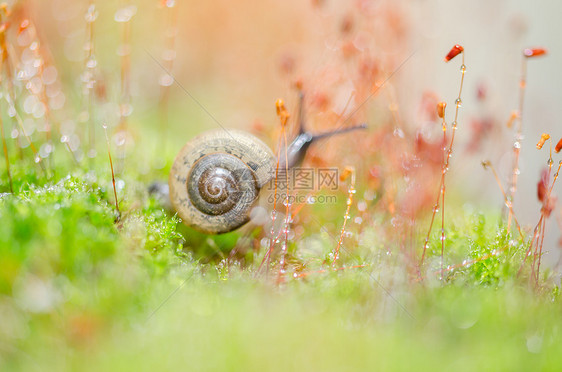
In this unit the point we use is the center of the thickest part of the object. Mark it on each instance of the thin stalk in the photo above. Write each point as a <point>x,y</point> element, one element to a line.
<point>350,192</point>
<point>518,137</point>
<point>5,147</point>
<point>508,204</point>
<point>284,247</point>
<point>112,172</point>
<point>445,169</point>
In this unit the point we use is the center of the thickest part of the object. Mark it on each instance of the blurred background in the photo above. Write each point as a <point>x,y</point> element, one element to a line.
<point>232,61</point>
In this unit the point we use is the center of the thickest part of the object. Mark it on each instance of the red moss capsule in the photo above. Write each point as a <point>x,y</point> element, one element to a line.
<point>455,51</point>
<point>346,25</point>
<point>558,146</point>
<point>481,92</point>
<point>282,111</point>
<point>544,137</point>
<point>534,52</point>
<point>297,84</point>
<point>441,109</point>
<point>23,26</point>
<point>542,186</point>
<point>348,171</point>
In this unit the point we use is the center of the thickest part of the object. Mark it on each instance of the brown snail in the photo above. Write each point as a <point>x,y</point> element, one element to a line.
<point>216,178</point>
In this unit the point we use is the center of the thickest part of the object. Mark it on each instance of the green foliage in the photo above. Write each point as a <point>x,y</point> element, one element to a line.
<point>479,251</point>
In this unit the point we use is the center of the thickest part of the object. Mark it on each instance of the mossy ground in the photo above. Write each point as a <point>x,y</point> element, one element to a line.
<point>80,290</point>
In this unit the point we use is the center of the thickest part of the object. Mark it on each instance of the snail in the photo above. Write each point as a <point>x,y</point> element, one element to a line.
<point>216,177</point>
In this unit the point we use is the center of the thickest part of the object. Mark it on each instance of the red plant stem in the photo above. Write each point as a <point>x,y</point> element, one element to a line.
<point>540,249</point>
<point>4,144</point>
<point>543,222</point>
<point>168,63</point>
<point>5,147</point>
<point>518,137</point>
<point>349,202</point>
<point>287,208</point>
<point>547,201</point>
<point>443,194</point>
<point>112,172</point>
<point>535,234</point>
<point>272,239</point>
<point>446,164</point>
<point>4,45</point>
<point>506,199</point>
<point>125,75</point>
<point>88,85</point>
<point>537,227</point>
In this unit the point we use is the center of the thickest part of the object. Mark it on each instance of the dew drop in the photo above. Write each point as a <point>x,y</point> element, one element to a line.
<point>92,63</point>
<point>166,80</point>
<point>91,14</point>
<point>125,14</point>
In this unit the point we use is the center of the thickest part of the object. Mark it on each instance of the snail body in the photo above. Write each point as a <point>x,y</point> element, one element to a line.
<point>217,177</point>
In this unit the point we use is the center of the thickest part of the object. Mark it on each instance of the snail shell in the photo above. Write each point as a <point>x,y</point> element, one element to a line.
<point>216,178</point>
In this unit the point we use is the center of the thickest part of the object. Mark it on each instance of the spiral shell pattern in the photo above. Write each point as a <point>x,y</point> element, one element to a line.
<point>216,178</point>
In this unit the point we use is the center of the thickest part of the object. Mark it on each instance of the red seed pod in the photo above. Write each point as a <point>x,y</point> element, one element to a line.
<point>348,171</point>
<point>441,109</point>
<point>455,51</point>
<point>347,24</point>
<point>558,146</point>
<point>297,84</point>
<point>481,92</point>
<point>542,186</point>
<point>23,26</point>
<point>534,52</point>
<point>282,111</point>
